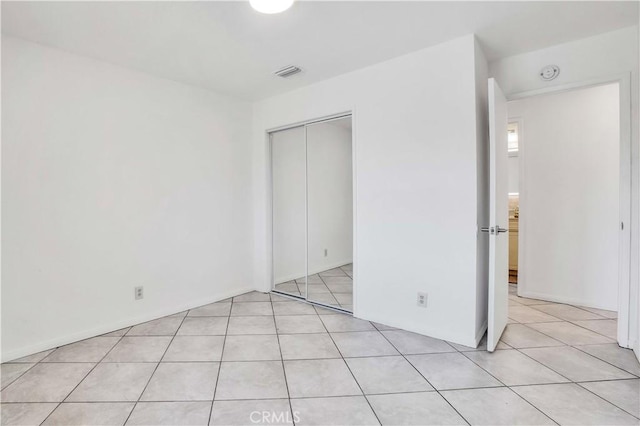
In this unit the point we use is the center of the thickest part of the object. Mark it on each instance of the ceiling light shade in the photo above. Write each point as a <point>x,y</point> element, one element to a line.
<point>271,6</point>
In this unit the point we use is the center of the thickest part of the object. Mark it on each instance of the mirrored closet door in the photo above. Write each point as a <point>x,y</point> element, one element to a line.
<point>289,199</point>
<point>330,213</point>
<point>312,190</point>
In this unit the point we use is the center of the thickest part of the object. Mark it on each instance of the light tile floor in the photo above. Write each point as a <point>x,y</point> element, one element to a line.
<point>333,287</point>
<point>263,359</point>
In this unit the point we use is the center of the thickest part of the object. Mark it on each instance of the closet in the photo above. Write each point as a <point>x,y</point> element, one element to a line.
<point>312,212</point>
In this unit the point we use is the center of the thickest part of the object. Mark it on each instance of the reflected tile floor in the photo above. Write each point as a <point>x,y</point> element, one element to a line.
<point>262,359</point>
<point>333,287</point>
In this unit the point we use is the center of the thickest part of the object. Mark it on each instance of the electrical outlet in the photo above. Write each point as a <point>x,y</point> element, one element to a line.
<point>422,299</point>
<point>326,252</point>
<point>139,293</point>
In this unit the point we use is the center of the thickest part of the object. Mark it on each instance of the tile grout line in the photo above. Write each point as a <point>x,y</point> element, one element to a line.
<point>606,380</point>
<point>635,376</point>
<point>558,319</point>
<point>284,371</point>
<point>157,365</point>
<point>224,342</point>
<point>325,284</point>
<point>576,347</point>
<point>464,354</point>
<point>310,359</point>
<point>51,353</point>
<point>351,372</point>
<point>129,327</point>
<point>545,366</point>
<point>296,398</point>
<point>564,304</point>
<point>593,331</point>
<point>21,374</point>
<point>84,377</point>
<point>544,334</point>
<point>564,345</point>
<point>454,350</point>
<point>586,310</point>
<point>569,321</point>
<point>509,387</point>
<point>606,400</point>
<point>570,381</point>
<point>580,385</point>
<point>427,380</point>
<point>306,298</point>
<point>334,294</point>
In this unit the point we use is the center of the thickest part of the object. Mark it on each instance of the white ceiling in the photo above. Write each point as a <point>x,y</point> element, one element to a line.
<point>229,48</point>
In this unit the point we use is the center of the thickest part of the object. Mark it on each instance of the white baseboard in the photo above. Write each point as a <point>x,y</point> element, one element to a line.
<point>411,326</point>
<point>562,299</point>
<point>103,329</point>
<point>326,267</point>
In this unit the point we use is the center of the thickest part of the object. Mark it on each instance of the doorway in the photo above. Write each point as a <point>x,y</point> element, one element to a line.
<point>312,212</point>
<point>513,135</point>
<point>568,202</point>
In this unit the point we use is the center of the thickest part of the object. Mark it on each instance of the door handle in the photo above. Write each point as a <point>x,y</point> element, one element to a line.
<point>494,230</point>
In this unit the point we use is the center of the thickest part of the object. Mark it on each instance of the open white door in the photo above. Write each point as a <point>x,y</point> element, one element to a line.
<point>498,216</point>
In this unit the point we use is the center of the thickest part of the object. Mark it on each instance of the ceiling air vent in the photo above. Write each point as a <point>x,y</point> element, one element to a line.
<point>288,71</point>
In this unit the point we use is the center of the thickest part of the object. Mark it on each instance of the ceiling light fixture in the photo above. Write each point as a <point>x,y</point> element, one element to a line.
<point>271,6</point>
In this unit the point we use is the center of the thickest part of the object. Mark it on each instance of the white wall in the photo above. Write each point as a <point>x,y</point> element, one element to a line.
<point>330,193</point>
<point>113,179</point>
<point>570,191</point>
<point>414,128</point>
<point>606,55</point>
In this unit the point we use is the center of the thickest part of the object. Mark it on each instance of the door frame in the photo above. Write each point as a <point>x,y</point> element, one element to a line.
<point>624,239</point>
<point>269,269</point>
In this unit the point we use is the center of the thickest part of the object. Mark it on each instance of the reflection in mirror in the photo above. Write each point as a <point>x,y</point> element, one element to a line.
<point>330,213</point>
<point>288,210</point>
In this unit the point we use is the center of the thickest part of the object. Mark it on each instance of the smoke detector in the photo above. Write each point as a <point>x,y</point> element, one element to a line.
<point>288,71</point>
<point>549,72</point>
